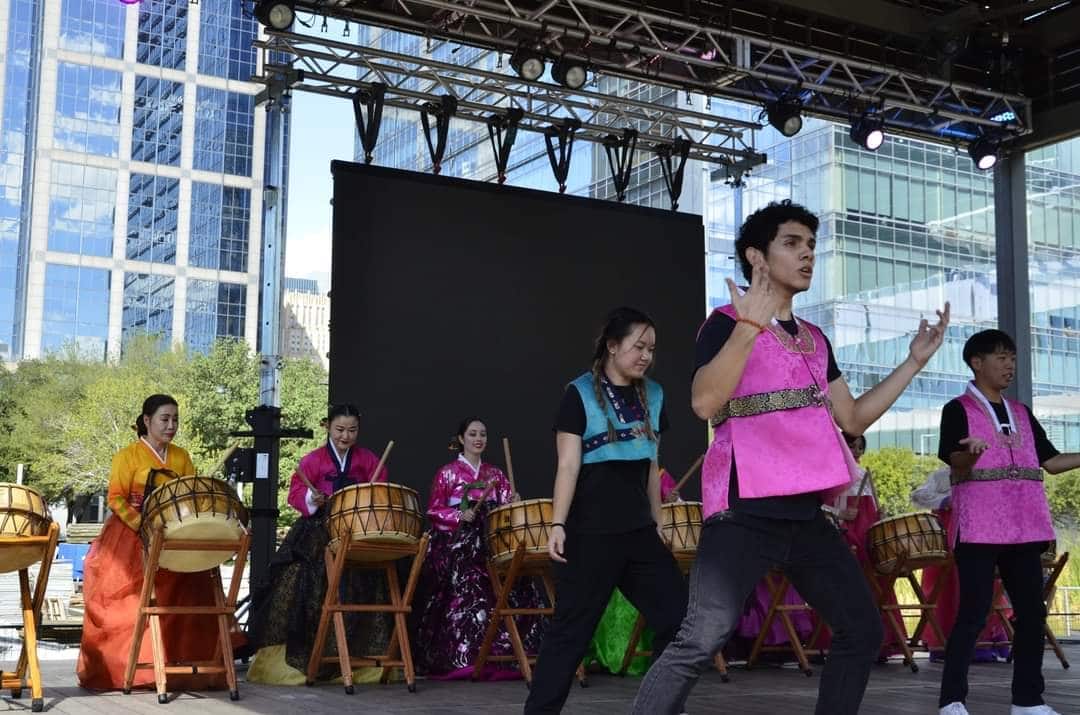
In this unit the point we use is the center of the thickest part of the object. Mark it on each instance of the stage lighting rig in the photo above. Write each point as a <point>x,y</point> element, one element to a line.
<point>868,131</point>
<point>572,74</point>
<point>276,14</point>
<point>984,153</point>
<point>528,63</point>
<point>785,115</point>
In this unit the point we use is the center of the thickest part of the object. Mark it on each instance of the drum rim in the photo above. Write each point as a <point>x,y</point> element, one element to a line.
<point>929,514</point>
<point>375,484</point>
<point>523,502</point>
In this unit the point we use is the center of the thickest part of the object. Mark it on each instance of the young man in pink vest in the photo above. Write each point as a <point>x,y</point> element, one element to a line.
<point>997,451</point>
<point>770,386</point>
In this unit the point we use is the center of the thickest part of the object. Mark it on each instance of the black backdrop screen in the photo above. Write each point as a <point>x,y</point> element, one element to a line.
<point>452,298</point>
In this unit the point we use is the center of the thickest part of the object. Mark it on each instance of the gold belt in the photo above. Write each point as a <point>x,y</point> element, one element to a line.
<point>1012,473</point>
<point>762,402</point>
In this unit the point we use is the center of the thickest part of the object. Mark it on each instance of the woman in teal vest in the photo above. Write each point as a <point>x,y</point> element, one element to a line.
<point>606,532</point>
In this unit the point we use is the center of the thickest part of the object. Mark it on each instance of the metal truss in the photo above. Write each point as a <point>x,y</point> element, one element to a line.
<point>680,46</point>
<point>328,67</point>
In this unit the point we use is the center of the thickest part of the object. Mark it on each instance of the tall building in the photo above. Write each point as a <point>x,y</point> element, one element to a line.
<point>305,321</point>
<point>131,169</point>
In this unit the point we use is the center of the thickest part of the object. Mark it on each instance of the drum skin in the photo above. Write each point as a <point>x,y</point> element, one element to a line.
<point>23,512</point>
<point>526,521</point>
<point>378,513</point>
<point>193,508</point>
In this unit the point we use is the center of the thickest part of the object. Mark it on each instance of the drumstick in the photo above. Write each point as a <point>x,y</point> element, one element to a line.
<point>382,461</point>
<point>509,464</point>
<point>228,453</point>
<point>305,480</point>
<point>689,472</point>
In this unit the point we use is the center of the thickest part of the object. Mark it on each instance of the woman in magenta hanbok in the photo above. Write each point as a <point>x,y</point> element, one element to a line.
<point>455,596</point>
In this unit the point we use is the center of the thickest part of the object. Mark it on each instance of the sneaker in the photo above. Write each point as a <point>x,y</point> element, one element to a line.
<point>956,708</point>
<point>1033,710</point>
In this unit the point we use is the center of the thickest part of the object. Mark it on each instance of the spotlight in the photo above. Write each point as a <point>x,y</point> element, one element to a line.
<point>571,74</point>
<point>983,152</point>
<point>785,115</point>
<point>529,64</point>
<point>276,14</point>
<point>868,131</point>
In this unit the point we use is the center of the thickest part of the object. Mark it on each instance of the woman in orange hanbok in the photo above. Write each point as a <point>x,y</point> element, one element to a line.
<point>113,570</point>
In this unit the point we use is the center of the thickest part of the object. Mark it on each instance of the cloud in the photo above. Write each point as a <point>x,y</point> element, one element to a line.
<point>307,253</point>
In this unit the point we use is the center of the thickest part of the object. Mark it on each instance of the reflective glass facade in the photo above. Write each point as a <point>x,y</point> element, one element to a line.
<point>214,310</point>
<point>157,121</point>
<point>76,311</point>
<point>220,219</point>
<point>148,306</point>
<point>162,33</point>
<point>226,31</point>
<point>87,110</point>
<point>82,209</point>
<point>153,212</point>
<point>223,131</point>
<point>93,27</point>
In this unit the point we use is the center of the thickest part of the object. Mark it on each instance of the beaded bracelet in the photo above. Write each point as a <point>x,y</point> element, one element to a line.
<point>559,523</point>
<point>759,326</point>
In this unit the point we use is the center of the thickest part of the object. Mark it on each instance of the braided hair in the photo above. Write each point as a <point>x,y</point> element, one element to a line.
<point>619,323</point>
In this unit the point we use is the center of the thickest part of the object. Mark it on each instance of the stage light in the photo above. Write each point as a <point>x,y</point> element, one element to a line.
<point>868,131</point>
<point>571,74</point>
<point>785,115</point>
<point>983,152</point>
<point>276,14</point>
<point>529,64</point>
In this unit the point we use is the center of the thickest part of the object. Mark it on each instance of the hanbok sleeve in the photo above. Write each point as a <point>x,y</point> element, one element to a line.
<point>121,480</point>
<point>443,515</point>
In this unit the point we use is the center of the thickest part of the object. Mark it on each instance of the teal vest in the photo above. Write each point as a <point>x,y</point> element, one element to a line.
<point>631,440</point>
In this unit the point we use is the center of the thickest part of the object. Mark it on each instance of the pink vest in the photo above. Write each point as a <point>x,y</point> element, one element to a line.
<point>791,451</point>
<point>994,505</point>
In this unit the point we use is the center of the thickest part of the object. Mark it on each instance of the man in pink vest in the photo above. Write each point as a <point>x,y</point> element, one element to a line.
<point>997,451</point>
<point>771,388</point>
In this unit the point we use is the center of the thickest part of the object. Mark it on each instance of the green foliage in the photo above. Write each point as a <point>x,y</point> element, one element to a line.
<point>1063,492</point>
<point>896,472</point>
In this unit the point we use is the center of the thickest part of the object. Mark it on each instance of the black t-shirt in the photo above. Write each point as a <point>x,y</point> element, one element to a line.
<point>714,334</point>
<point>954,427</point>
<point>611,497</point>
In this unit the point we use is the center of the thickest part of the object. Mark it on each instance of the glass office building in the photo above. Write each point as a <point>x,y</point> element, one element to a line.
<point>131,163</point>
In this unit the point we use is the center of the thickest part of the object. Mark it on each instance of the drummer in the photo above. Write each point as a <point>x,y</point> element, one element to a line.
<point>113,570</point>
<point>454,584</point>
<point>286,606</point>
<point>606,517</point>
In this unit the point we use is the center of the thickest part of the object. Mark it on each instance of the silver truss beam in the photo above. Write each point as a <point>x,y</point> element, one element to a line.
<point>630,40</point>
<point>329,67</point>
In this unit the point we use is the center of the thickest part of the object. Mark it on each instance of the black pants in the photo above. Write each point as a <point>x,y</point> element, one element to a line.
<point>641,566</point>
<point>734,553</point>
<point>1021,573</point>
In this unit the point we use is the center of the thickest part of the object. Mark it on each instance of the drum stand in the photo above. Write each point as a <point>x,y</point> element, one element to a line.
<point>778,586</point>
<point>1052,571</point>
<point>369,556</point>
<point>224,608</point>
<point>685,563</point>
<point>884,584</point>
<point>31,608</point>
<point>503,579</point>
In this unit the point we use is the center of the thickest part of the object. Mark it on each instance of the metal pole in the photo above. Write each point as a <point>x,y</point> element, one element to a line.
<point>1013,285</point>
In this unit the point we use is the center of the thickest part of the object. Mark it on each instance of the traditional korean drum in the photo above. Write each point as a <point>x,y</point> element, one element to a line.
<point>1049,557</point>
<point>198,509</point>
<point>527,522</point>
<point>23,512</point>
<point>377,513</point>
<point>682,526</point>
<point>918,537</point>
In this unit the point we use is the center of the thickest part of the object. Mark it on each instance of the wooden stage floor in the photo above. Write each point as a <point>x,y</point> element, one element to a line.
<point>767,689</point>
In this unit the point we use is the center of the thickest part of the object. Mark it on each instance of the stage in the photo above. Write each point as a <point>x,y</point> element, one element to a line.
<point>766,689</point>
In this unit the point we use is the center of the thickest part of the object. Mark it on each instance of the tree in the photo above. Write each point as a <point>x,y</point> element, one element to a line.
<point>220,386</point>
<point>304,394</point>
<point>1063,493</point>
<point>896,472</point>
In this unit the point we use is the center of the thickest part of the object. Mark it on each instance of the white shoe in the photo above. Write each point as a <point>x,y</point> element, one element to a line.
<point>1033,710</point>
<point>956,708</point>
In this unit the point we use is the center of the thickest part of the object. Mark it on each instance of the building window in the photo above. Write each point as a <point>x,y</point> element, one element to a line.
<point>220,220</point>
<point>224,122</point>
<point>214,310</point>
<point>82,209</point>
<point>76,310</point>
<point>87,110</point>
<point>158,121</point>
<point>162,33</point>
<point>226,34</point>
<point>152,216</point>
<point>148,306</point>
<point>93,27</point>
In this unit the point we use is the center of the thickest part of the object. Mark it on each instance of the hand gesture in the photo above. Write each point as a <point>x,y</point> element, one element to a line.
<point>848,514</point>
<point>929,338</point>
<point>317,497</point>
<point>672,497</point>
<point>662,535</point>
<point>556,544</point>
<point>515,497</point>
<point>468,515</point>
<point>761,302</point>
<point>974,445</point>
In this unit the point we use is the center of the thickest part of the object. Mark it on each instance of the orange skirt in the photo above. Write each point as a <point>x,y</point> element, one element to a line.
<point>112,583</point>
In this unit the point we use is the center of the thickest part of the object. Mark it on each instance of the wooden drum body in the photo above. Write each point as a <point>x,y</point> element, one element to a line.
<point>376,513</point>
<point>198,509</point>
<point>511,524</point>
<point>920,537</point>
<point>682,526</point>
<point>23,512</point>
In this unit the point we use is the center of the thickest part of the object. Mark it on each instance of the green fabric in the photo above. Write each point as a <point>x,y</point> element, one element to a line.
<point>612,635</point>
